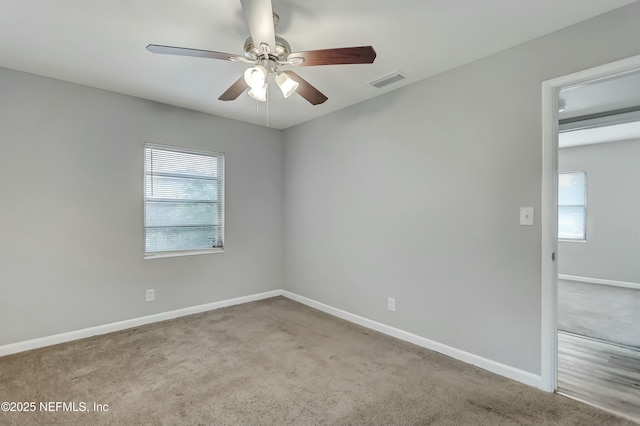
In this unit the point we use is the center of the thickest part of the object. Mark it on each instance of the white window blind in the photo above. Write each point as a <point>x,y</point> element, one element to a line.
<point>572,206</point>
<point>183,209</point>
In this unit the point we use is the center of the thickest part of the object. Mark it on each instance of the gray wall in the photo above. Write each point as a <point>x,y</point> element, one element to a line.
<point>71,236</point>
<point>612,250</point>
<point>416,195</point>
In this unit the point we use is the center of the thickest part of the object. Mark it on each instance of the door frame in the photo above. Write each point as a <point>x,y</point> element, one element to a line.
<point>549,214</point>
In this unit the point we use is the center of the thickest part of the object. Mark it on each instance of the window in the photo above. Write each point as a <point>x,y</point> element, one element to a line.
<point>183,196</point>
<point>572,206</point>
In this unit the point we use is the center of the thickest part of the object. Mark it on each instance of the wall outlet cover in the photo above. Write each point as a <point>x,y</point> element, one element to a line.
<point>391,304</point>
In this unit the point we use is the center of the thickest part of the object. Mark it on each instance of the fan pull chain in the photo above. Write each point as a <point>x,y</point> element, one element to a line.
<point>258,107</point>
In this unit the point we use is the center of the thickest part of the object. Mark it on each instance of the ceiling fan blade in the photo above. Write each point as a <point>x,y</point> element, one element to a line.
<point>235,90</point>
<point>183,51</point>
<point>259,15</point>
<point>306,90</point>
<point>343,55</point>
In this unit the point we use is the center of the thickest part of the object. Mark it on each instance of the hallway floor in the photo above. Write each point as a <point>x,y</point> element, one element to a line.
<point>604,312</point>
<point>600,373</point>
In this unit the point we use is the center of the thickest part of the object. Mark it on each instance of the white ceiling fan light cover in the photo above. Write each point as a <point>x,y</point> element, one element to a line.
<point>256,77</point>
<point>259,93</point>
<point>286,84</point>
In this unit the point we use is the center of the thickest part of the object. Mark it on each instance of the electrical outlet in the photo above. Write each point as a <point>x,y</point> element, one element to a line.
<point>391,304</point>
<point>151,295</point>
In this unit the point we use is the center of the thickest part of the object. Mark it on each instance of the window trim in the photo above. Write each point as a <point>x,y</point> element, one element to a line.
<point>221,174</point>
<point>576,240</point>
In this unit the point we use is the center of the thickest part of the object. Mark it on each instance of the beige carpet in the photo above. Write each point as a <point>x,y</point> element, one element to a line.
<point>273,362</point>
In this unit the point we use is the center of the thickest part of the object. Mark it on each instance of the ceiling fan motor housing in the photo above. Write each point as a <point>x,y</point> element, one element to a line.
<point>253,52</point>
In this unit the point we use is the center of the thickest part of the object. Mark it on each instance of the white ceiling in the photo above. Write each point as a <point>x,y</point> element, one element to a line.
<point>102,44</point>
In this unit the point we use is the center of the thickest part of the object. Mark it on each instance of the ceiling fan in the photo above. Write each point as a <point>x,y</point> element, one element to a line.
<point>268,53</point>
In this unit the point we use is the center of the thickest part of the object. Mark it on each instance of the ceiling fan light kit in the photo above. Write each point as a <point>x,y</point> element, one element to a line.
<point>267,52</point>
<point>256,79</point>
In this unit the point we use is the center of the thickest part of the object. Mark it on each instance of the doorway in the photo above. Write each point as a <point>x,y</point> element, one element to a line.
<point>588,350</point>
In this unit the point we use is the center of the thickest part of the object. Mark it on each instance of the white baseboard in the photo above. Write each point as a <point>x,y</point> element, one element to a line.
<point>487,364</point>
<point>600,281</point>
<point>135,322</point>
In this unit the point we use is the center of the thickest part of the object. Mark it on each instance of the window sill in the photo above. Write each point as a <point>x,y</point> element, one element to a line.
<point>571,241</point>
<point>161,254</point>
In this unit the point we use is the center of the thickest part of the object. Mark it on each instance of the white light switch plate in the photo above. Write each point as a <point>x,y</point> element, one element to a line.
<point>526,216</point>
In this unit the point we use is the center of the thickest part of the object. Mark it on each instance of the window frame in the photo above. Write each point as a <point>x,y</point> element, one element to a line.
<point>221,199</point>
<point>584,206</point>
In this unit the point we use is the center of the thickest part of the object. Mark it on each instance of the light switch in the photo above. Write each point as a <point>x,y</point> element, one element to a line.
<point>526,216</point>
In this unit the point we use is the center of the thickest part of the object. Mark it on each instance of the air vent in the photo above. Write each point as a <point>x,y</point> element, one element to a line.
<point>387,79</point>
